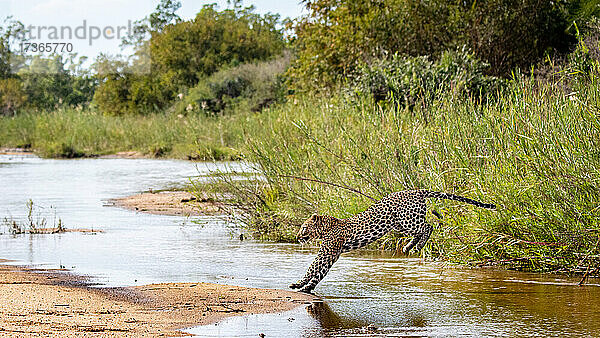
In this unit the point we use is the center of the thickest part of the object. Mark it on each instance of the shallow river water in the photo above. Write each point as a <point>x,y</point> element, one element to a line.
<point>365,294</point>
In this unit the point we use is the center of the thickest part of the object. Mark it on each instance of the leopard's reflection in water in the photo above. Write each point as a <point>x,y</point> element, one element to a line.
<point>329,320</point>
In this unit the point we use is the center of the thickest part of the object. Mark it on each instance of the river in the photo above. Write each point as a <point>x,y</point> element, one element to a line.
<point>365,294</point>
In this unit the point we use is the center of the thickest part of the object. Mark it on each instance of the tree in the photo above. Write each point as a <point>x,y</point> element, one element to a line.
<point>49,82</point>
<point>9,30</point>
<point>183,52</point>
<point>338,35</point>
<point>187,51</point>
<point>163,15</point>
<point>12,96</point>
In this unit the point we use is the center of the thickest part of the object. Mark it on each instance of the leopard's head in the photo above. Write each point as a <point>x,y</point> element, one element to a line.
<point>314,228</point>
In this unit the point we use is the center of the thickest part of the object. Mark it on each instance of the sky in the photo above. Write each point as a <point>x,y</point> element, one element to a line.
<point>104,17</point>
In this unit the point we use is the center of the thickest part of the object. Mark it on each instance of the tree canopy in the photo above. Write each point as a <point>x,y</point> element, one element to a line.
<point>338,35</point>
<point>183,52</point>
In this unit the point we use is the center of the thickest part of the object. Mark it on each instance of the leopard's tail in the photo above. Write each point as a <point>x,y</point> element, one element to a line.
<point>443,195</point>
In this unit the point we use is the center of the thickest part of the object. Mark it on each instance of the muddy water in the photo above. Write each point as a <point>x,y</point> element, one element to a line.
<point>365,294</point>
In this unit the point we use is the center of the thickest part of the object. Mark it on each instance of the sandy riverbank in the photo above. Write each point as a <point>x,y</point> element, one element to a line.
<point>33,302</point>
<point>15,151</point>
<point>177,203</point>
<point>120,154</point>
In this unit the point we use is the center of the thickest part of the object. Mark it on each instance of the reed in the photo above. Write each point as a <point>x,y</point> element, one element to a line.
<point>533,151</point>
<point>73,133</point>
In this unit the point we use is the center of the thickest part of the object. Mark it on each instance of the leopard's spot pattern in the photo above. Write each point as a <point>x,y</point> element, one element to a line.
<point>401,211</point>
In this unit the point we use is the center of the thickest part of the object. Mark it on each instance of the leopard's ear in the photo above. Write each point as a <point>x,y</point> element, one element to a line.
<point>314,218</point>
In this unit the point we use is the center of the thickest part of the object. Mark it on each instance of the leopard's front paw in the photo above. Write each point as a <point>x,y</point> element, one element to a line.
<point>296,285</point>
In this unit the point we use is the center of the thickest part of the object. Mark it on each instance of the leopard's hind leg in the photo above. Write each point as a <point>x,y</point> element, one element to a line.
<point>424,237</point>
<point>419,239</point>
<point>416,237</point>
<point>420,229</point>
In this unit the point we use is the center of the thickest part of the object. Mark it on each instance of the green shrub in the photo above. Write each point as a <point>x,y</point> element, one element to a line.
<point>337,36</point>
<point>49,83</point>
<point>187,52</point>
<point>12,96</point>
<point>409,80</point>
<point>578,67</point>
<point>247,87</point>
<point>112,95</point>
<point>585,59</point>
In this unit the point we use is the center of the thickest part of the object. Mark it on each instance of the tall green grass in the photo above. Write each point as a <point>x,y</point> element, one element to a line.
<point>76,133</point>
<point>534,151</point>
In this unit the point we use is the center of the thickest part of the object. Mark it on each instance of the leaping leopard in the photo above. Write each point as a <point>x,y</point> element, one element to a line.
<point>402,211</point>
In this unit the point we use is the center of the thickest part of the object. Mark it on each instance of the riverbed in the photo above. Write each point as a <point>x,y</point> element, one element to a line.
<point>365,294</point>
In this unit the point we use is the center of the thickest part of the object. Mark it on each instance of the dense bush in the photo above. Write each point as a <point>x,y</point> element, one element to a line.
<point>247,87</point>
<point>337,36</point>
<point>185,52</point>
<point>49,84</point>
<point>12,96</point>
<point>409,80</point>
<point>570,71</point>
<point>532,153</point>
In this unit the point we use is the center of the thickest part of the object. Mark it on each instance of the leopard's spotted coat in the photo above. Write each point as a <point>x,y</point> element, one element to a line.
<point>401,211</point>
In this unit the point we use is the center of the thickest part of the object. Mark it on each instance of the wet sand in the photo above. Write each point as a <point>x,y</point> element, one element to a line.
<point>120,154</point>
<point>44,302</point>
<point>127,154</point>
<point>15,151</point>
<point>176,203</point>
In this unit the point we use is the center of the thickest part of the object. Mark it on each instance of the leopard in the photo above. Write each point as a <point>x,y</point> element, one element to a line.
<point>402,211</point>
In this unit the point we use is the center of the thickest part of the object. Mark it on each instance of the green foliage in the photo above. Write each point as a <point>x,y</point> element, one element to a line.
<point>49,84</point>
<point>12,96</point>
<point>582,12</point>
<point>585,59</point>
<point>125,89</point>
<point>533,151</point>
<point>185,52</point>
<point>112,95</point>
<point>514,33</point>
<point>578,67</point>
<point>9,32</point>
<point>247,87</point>
<point>411,80</point>
<point>163,15</point>
<point>69,133</point>
<point>337,36</point>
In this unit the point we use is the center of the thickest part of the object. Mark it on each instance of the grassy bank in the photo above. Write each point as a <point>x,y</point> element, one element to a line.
<point>74,133</point>
<point>534,152</point>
